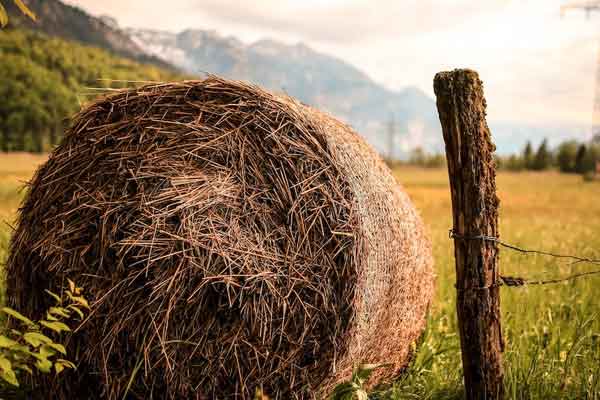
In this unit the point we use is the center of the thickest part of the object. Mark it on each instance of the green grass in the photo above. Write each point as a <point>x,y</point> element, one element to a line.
<point>552,333</point>
<point>15,170</point>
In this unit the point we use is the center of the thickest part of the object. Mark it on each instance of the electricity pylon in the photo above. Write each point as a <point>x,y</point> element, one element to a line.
<point>391,138</point>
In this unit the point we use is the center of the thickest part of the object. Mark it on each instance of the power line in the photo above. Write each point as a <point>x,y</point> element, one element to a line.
<point>518,281</point>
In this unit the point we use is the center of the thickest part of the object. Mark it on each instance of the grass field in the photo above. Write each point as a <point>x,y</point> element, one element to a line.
<point>552,333</point>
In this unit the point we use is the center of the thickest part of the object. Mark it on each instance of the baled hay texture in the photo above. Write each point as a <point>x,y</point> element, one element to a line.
<point>229,239</point>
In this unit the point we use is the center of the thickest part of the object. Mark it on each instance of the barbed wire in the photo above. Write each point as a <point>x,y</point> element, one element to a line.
<point>515,281</point>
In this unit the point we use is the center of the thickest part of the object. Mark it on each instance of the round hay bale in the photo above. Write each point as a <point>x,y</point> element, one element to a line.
<point>229,238</point>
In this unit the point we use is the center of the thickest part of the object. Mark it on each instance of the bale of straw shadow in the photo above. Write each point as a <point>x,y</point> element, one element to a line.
<point>230,238</point>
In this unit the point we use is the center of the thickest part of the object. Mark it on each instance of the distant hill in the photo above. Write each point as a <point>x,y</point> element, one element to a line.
<point>45,79</point>
<point>58,19</point>
<point>315,78</point>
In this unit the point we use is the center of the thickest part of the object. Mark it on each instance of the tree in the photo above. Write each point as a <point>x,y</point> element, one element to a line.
<point>40,81</point>
<point>579,159</point>
<point>528,156</point>
<point>566,156</point>
<point>513,163</point>
<point>417,156</point>
<point>592,155</point>
<point>24,9</point>
<point>543,157</point>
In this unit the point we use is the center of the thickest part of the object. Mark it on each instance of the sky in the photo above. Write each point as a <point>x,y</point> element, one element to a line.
<point>538,67</point>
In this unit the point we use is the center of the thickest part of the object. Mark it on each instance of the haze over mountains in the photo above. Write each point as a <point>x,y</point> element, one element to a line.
<point>331,84</point>
<point>314,78</point>
<point>317,79</point>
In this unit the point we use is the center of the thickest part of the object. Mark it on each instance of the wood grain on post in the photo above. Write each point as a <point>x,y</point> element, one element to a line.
<point>471,168</point>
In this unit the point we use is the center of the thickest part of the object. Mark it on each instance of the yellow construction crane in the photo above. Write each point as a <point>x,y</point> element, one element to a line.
<point>589,7</point>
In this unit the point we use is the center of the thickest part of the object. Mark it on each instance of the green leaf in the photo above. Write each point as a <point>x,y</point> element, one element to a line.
<point>80,299</point>
<point>56,326</point>
<point>24,367</point>
<point>61,364</point>
<point>17,348</point>
<point>8,374</point>
<point>58,368</point>
<point>66,363</point>
<point>71,285</point>
<point>54,296</point>
<point>60,311</point>
<point>77,310</point>
<point>5,364</point>
<point>343,391</point>
<point>364,371</point>
<point>7,342</point>
<point>51,317</point>
<point>44,365</point>
<point>36,339</point>
<point>3,16</point>
<point>58,347</point>
<point>46,351</point>
<point>10,377</point>
<point>17,315</point>
<point>25,10</point>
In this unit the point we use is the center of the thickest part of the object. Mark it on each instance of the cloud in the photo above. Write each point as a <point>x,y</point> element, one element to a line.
<point>349,22</point>
<point>342,21</point>
<point>536,66</point>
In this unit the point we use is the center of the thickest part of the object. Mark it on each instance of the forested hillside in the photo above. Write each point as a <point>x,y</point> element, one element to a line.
<point>44,80</point>
<point>57,19</point>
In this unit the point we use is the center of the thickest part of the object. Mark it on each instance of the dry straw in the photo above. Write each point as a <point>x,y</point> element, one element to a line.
<point>231,239</point>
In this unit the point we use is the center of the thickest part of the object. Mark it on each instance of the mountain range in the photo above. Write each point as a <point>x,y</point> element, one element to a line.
<point>314,78</point>
<point>317,79</point>
<point>393,121</point>
<point>55,18</point>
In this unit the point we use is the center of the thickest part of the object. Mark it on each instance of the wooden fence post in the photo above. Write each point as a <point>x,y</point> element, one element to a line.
<point>471,168</point>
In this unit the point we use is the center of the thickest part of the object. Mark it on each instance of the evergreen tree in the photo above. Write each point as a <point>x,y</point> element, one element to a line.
<point>417,156</point>
<point>528,156</point>
<point>566,156</point>
<point>543,157</point>
<point>514,163</point>
<point>580,159</point>
<point>592,155</point>
<point>41,78</point>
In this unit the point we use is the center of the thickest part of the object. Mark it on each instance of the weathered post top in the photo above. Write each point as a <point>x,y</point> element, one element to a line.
<point>471,169</point>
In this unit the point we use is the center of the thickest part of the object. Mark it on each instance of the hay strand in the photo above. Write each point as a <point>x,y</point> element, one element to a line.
<point>231,239</point>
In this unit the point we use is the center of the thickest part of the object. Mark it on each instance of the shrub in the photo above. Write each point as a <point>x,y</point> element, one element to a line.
<point>31,347</point>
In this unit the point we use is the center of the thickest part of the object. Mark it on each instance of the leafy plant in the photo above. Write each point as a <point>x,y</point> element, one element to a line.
<point>354,388</point>
<point>30,348</point>
<point>24,9</point>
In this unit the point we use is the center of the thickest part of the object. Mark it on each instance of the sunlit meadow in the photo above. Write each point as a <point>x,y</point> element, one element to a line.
<point>552,332</point>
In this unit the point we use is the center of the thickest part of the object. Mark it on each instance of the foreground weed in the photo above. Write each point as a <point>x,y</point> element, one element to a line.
<point>32,346</point>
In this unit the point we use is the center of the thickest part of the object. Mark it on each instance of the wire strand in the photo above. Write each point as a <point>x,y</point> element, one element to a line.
<point>513,281</point>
